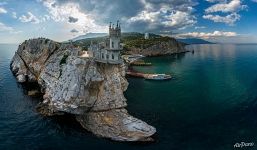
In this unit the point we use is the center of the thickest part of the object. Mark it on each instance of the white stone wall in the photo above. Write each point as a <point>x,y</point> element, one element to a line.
<point>103,54</point>
<point>113,55</point>
<point>114,43</point>
<point>116,55</point>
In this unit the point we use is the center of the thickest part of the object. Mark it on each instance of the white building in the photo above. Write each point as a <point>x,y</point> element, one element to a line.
<point>146,36</point>
<point>109,50</point>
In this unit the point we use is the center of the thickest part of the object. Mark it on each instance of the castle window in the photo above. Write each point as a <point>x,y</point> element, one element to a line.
<point>102,55</point>
<point>112,44</point>
<point>112,56</point>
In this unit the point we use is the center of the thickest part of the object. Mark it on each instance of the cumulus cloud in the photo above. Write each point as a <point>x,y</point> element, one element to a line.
<point>71,11</point>
<point>72,19</point>
<point>45,18</point>
<point>135,15</point>
<point>164,19</point>
<point>228,11</point>
<point>2,10</point>
<point>164,15</point>
<point>229,19</point>
<point>204,35</point>
<point>29,18</point>
<point>232,6</point>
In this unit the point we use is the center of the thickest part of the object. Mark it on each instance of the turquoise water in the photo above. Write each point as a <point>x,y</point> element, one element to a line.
<point>210,104</point>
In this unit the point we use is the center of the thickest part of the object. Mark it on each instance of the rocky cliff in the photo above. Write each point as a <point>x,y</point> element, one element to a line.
<point>92,91</point>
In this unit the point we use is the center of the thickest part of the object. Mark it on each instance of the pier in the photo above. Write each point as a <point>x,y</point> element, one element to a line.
<point>140,63</point>
<point>134,60</point>
<point>149,76</point>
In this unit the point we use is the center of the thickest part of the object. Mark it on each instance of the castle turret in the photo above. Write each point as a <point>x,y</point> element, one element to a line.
<point>109,50</point>
<point>114,36</point>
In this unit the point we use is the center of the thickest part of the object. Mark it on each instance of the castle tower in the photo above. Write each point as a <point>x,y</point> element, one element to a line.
<point>114,36</point>
<point>109,51</point>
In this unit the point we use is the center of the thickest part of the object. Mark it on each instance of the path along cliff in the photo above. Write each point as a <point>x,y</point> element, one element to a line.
<point>92,91</point>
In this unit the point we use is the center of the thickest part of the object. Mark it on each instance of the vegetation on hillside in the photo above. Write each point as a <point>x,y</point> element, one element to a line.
<point>85,43</point>
<point>145,43</point>
<point>64,58</point>
<point>130,40</point>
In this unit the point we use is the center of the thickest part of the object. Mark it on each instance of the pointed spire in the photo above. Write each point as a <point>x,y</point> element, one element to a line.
<point>110,25</point>
<point>117,24</point>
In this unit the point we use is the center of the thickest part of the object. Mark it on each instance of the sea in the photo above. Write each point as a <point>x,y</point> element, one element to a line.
<point>210,104</point>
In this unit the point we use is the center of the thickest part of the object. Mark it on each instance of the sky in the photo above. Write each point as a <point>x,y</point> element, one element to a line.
<point>225,21</point>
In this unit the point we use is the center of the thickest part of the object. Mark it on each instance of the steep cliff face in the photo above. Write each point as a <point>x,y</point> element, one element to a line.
<point>157,47</point>
<point>90,90</point>
<point>30,56</point>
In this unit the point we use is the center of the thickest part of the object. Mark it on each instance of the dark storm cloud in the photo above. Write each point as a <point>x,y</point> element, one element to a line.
<point>181,5</point>
<point>74,31</point>
<point>105,11</point>
<point>72,19</point>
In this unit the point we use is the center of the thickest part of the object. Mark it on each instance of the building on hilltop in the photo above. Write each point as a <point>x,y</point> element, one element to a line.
<point>109,50</point>
<point>146,36</point>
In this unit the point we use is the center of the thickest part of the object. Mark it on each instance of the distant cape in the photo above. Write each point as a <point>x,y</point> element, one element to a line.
<point>194,41</point>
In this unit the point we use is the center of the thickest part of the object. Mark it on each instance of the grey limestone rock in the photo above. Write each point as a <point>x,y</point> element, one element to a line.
<point>92,91</point>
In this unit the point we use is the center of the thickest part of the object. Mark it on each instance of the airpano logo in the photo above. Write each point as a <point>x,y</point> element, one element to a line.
<point>243,144</point>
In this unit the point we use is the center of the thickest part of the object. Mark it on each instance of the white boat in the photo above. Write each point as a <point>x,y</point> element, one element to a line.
<point>158,77</point>
<point>132,58</point>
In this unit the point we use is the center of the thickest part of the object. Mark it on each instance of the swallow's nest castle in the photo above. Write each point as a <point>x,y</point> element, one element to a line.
<point>109,50</point>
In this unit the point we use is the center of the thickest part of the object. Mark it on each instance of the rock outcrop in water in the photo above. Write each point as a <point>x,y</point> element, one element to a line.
<point>92,91</point>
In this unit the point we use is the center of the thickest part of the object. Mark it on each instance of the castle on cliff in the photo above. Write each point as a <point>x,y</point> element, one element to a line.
<point>109,50</point>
